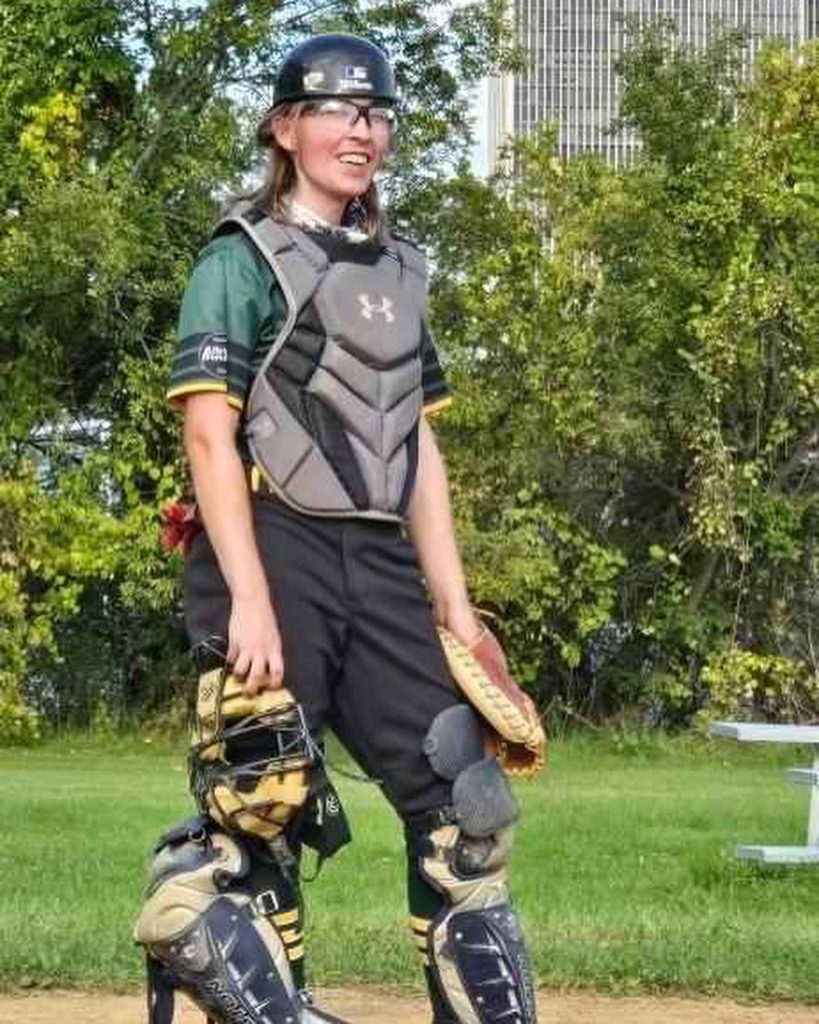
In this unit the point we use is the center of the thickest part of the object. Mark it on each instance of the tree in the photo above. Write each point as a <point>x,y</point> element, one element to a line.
<point>123,124</point>
<point>637,351</point>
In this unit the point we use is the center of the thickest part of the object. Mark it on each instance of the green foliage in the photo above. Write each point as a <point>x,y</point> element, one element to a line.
<point>742,684</point>
<point>637,348</point>
<point>633,448</point>
<point>51,546</point>
<point>19,726</point>
<point>122,125</point>
<point>553,585</point>
<point>681,102</point>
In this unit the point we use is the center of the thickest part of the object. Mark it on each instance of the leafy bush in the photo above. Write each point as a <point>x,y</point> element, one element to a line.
<point>746,685</point>
<point>637,350</point>
<point>19,727</point>
<point>120,126</point>
<point>550,586</point>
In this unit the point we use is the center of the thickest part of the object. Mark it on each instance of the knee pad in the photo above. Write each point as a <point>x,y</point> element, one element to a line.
<point>250,757</point>
<point>482,802</point>
<point>475,945</point>
<point>211,933</point>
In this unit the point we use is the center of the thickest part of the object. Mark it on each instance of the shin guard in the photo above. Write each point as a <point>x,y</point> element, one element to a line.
<point>478,968</point>
<point>213,927</point>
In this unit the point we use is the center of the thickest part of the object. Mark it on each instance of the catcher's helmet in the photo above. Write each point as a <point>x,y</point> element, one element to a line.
<point>334,64</point>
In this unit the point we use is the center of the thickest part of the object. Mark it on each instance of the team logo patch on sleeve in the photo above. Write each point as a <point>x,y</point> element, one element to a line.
<point>213,355</point>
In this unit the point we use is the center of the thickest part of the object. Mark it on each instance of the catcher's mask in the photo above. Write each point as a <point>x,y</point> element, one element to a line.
<point>250,757</point>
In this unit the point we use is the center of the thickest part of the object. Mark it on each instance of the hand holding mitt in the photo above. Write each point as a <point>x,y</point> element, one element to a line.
<point>481,673</point>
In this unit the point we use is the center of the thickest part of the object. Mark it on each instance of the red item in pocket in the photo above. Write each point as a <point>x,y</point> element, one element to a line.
<point>180,524</point>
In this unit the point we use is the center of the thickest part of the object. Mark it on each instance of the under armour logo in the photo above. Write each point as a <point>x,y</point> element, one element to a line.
<point>368,307</point>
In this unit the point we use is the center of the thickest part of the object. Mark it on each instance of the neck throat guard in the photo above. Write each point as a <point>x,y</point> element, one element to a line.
<point>332,416</point>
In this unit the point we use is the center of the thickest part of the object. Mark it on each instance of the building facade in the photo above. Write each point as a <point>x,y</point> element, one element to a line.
<point>572,47</point>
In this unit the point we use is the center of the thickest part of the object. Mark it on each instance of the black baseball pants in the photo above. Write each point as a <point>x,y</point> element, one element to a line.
<point>360,649</point>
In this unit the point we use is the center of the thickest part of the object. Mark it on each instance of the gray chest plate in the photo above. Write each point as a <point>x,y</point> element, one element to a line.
<point>370,369</point>
<point>334,437</point>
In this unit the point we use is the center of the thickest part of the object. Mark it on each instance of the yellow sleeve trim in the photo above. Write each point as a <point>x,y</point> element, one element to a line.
<point>219,387</point>
<point>290,936</point>
<point>438,406</point>
<point>419,924</point>
<point>190,389</point>
<point>296,953</point>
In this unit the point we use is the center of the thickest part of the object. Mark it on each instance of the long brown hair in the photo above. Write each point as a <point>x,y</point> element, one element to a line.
<point>363,212</point>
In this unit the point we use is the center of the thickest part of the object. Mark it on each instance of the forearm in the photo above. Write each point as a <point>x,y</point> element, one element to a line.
<point>224,504</point>
<point>432,530</point>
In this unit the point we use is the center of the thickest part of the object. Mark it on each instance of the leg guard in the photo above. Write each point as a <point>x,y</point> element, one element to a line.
<point>212,933</point>
<point>479,971</point>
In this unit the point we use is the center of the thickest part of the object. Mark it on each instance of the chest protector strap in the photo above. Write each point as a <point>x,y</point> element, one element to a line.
<point>332,416</point>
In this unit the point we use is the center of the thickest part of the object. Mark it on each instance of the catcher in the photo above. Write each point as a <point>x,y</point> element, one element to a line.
<point>306,371</point>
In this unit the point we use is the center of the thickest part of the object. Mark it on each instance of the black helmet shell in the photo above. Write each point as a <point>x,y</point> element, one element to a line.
<point>335,64</point>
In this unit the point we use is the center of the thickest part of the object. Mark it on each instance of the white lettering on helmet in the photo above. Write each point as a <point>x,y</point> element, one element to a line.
<point>354,78</point>
<point>353,85</point>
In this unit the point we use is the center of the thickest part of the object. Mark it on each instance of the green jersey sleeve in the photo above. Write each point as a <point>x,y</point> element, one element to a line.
<point>231,308</point>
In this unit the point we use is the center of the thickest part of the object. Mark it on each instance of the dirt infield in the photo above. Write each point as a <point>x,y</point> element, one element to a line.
<point>374,1006</point>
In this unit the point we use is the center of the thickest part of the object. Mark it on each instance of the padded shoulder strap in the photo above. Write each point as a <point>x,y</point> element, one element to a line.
<point>278,244</point>
<point>298,264</point>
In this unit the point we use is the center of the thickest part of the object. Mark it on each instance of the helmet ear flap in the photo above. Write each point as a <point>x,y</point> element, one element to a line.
<point>250,756</point>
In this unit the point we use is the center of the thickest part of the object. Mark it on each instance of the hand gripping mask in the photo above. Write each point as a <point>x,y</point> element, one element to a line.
<point>250,757</point>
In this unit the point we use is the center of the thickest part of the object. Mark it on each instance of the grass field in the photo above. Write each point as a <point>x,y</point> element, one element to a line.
<point>623,870</point>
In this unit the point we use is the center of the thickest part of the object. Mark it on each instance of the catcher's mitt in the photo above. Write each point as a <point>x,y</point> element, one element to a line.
<point>481,673</point>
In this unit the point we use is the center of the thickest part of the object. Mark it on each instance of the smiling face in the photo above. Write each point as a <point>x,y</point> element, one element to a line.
<point>335,152</point>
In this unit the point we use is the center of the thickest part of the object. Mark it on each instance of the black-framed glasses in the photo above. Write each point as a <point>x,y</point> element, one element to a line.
<point>342,115</point>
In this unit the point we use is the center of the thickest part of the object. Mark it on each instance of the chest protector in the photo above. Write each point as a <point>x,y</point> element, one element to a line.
<point>332,416</point>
